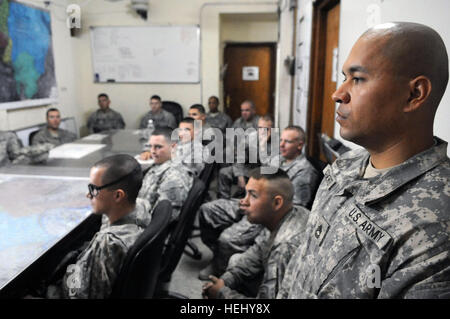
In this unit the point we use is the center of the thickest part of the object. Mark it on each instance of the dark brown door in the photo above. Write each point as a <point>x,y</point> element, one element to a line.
<point>321,114</point>
<point>250,74</point>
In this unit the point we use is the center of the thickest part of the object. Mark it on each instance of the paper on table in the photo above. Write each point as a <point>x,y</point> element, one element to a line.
<point>94,137</point>
<point>144,162</point>
<point>74,150</point>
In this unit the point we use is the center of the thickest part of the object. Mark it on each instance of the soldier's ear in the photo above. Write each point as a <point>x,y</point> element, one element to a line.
<point>120,194</point>
<point>277,202</point>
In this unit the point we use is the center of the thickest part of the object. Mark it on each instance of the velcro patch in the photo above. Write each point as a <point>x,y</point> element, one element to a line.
<point>320,230</point>
<point>368,228</point>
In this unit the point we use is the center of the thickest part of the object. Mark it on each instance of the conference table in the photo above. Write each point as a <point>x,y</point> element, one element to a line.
<point>44,211</point>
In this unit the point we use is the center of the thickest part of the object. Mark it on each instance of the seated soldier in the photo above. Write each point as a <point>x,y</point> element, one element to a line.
<point>164,179</point>
<point>52,133</point>
<point>248,118</point>
<point>215,118</point>
<point>189,150</point>
<point>11,150</point>
<point>105,118</point>
<point>224,228</point>
<point>259,143</point>
<point>114,184</point>
<point>159,116</point>
<point>197,112</point>
<point>268,202</point>
<point>379,226</point>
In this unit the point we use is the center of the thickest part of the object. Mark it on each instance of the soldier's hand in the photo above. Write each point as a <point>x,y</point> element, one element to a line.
<point>145,156</point>
<point>210,289</point>
<point>241,182</point>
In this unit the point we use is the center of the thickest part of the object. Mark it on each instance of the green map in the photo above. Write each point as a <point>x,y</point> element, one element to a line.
<point>26,54</point>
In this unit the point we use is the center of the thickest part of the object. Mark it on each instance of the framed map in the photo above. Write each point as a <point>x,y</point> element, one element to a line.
<point>27,73</point>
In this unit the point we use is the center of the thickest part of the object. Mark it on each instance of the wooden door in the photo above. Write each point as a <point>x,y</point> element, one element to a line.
<point>250,74</point>
<point>321,115</point>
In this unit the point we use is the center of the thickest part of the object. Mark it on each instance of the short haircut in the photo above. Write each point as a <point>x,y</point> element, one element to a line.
<point>198,107</point>
<point>299,130</point>
<point>155,97</point>
<point>278,183</point>
<point>252,105</point>
<point>53,109</point>
<point>121,165</point>
<point>103,95</point>
<point>188,120</point>
<point>267,118</point>
<point>215,98</point>
<point>164,131</point>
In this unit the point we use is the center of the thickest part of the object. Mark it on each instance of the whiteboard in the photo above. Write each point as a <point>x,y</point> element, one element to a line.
<point>163,54</point>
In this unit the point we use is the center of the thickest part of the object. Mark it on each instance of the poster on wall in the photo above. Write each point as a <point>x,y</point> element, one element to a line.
<point>27,72</point>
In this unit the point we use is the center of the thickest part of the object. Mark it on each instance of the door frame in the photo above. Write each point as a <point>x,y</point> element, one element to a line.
<point>317,74</point>
<point>273,48</point>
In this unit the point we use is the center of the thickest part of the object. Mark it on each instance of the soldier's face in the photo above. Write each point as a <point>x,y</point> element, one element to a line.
<point>101,204</point>
<point>264,129</point>
<point>213,105</point>
<point>186,132</point>
<point>257,203</point>
<point>371,97</point>
<point>103,102</point>
<point>196,114</point>
<point>160,149</point>
<point>247,111</point>
<point>155,105</point>
<point>290,144</point>
<point>53,120</point>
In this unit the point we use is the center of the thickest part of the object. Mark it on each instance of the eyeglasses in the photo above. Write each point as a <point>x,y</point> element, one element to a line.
<point>94,189</point>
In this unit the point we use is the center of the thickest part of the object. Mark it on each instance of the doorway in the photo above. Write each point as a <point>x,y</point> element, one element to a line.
<point>324,54</point>
<point>249,75</point>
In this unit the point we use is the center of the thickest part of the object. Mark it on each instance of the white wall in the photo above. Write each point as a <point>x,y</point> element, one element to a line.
<point>73,63</point>
<point>357,16</point>
<point>131,99</point>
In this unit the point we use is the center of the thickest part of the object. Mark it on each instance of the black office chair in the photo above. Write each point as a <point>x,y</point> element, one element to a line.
<point>205,176</point>
<point>331,148</point>
<point>139,273</point>
<point>175,109</point>
<point>178,238</point>
<point>30,137</point>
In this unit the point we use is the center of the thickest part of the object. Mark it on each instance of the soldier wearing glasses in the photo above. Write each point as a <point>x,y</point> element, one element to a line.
<point>124,218</point>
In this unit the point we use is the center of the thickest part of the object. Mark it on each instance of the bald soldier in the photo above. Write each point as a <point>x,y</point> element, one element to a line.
<point>379,226</point>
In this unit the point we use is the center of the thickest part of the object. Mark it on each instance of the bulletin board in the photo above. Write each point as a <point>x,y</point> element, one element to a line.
<point>158,54</point>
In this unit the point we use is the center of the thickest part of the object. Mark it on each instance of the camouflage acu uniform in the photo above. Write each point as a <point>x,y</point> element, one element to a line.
<point>97,267</point>
<point>219,120</point>
<point>380,237</point>
<point>189,156</point>
<point>268,256</point>
<point>227,231</point>
<point>105,120</point>
<point>11,150</point>
<point>241,123</point>
<point>166,181</point>
<point>44,136</point>
<point>242,165</point>
<point>162,118</point>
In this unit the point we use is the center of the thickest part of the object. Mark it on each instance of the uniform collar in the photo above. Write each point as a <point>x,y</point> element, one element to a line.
<point>349,171</point>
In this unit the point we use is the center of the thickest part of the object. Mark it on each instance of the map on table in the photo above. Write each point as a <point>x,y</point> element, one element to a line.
<point>27,72</point>
<point>36,212</point>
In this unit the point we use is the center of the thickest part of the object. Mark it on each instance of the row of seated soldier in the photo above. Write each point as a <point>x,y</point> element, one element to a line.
<point>375,225</point>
